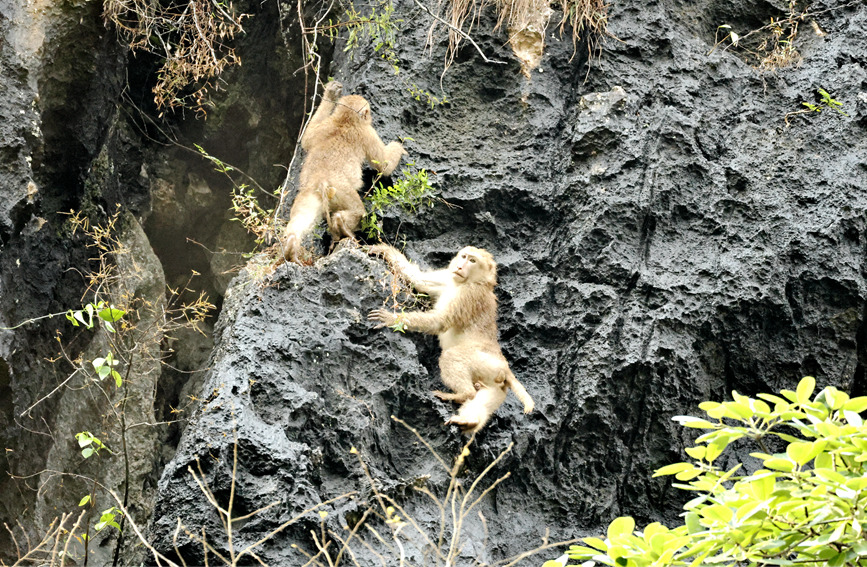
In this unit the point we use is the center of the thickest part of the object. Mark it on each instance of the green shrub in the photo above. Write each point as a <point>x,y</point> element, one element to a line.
<point>412,190</point>
<point>802,507</point>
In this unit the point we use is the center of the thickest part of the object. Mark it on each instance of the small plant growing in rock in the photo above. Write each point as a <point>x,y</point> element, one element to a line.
<point>804,506</point>
<point>827,102</point>
<point>386,528</point>
<point>381,29</point>
<point>410,191</point>
<point>769,47</point>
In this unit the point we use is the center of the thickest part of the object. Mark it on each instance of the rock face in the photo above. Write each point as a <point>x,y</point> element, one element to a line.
<point>666,231</point>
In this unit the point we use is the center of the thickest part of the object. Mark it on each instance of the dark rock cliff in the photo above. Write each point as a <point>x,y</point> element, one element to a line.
<point>663,237</point>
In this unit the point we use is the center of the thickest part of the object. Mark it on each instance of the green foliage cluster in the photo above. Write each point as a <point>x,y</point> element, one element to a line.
<point>802,507</point>
<point>412,190</point>
<point>89,446</point>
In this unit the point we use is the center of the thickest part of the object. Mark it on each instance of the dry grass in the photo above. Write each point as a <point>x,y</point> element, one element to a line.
<point>585,20</point>
<point>192,38</point>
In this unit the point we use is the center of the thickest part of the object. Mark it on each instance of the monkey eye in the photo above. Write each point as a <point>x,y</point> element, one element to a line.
<point>472,260</point>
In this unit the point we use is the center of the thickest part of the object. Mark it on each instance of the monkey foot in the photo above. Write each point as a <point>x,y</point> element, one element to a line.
<point>444,396</point>
<point>462,422</point>
<point>457,398</point>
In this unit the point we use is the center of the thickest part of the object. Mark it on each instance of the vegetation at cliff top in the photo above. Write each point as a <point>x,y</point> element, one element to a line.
<point>804,505</point>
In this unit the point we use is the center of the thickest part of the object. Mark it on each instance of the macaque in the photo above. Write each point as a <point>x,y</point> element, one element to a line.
<point>338,140</point>
<point>464,317</point>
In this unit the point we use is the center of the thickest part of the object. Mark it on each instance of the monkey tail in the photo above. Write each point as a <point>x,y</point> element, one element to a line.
<point>520,392</point>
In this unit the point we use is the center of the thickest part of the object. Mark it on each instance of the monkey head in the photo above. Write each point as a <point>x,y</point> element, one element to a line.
<point>352,109</point>
<point>474,265</point>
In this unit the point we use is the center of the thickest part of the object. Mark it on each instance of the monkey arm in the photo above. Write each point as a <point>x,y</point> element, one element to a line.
<point>431,282</point>
<point>429,322</point>
<point>326,107</point>
<point>383,158</point>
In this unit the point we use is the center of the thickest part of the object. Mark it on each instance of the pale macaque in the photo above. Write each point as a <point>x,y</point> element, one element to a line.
<point>338,141</point>
<point>464,317</point>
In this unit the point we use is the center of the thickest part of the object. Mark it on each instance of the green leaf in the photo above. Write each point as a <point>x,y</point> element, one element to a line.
<point>689,474</point>
<point>672,469</point>
<point>597,543</point>
<point>717,513</point>
<point>776,400</point>
<point>805,389</point>
<point>823,461</point>
<point>696,453</point>
<point>763,487</point>
<point>713,451</point>
<point>784,465</point>
<point>853,419</point>
<point>84,500</point>
<point>87,452</point>
<point>857,405</point>
<point>801,453</point>
<point>620,526</point>
<point>111,314</point>
<point>829,475</point>
<point>693,524</point>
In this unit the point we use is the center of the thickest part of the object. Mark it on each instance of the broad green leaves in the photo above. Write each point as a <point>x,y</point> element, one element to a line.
<point>802,507</point>
<point>105,367</point>
<point>108,314</point>
<point>109,518</point>
<point>89,446</point>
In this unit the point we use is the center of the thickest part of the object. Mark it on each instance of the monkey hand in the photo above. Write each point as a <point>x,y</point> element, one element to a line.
<point>333,90</point>
<point>383,316</point>
<point>397,146</point>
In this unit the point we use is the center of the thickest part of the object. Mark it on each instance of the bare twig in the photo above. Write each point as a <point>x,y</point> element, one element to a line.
<point>460,32</point>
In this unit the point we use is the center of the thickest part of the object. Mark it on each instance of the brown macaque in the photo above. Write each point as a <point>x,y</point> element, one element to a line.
<point>464,317</point>
<point>339,140</point>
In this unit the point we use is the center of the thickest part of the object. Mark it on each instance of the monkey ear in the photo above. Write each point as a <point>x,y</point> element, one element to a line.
<point>365,113</point>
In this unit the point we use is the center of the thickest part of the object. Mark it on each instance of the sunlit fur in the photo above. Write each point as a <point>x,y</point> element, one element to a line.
<point>464,317</point>
<point>339,140</point>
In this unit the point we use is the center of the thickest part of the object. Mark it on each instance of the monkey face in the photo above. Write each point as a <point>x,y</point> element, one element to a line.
<point>473,265</point>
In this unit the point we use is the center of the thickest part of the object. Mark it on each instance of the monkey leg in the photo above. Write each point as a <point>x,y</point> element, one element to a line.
<point>305,213</point>
<point>474,414</point>
<point>457,373</point>
<point>291,249</point>
<point>489,369</point>
<point>340,227</point>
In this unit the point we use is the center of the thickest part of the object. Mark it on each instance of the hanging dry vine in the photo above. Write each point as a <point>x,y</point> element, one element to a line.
<point>191,36</point>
